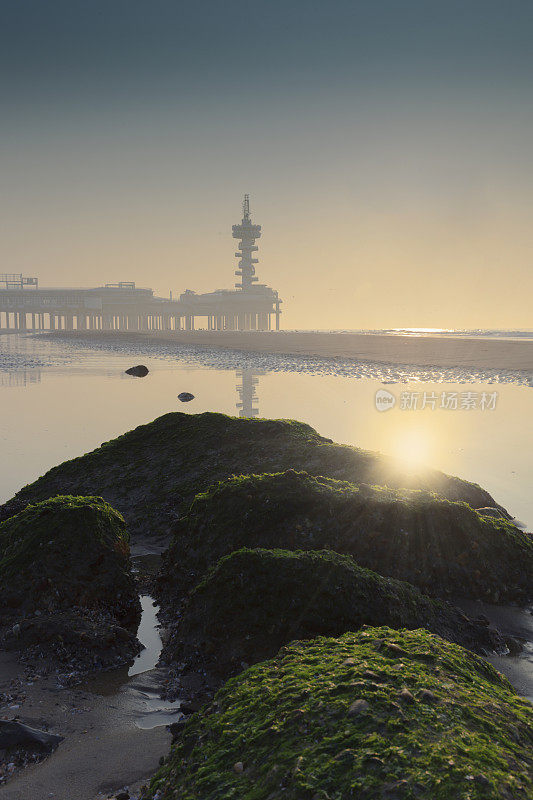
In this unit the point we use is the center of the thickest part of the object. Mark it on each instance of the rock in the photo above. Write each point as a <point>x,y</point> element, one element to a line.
<point>514,646</point>
<point>451,549</point>
<point>394,650</point>
<point>427,696</point>
<point>255,601</point>
<point>15,734</point>
<point>358,707</point>
<point>68,551</point>
<point>66,573</point>
<point>140,371</point>
<point>185,397</point>
<point>406,696</point>
<point>370,755</point>
<point>206,448</point>
<point>191,706</point>
<point>497,513</point>
<point>123,795</point>
<point>176,728</point>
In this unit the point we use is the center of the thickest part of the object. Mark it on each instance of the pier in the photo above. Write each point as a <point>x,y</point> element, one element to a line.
<point>25,306</point>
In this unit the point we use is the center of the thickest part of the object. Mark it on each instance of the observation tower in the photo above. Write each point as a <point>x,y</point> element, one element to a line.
<point>247,232</point>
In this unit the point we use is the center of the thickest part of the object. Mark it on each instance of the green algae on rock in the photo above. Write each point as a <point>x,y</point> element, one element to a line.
<point>445,548</point>
<point>152,473</point>
<point>68,551</point>
<point>67,594</point>
<point>255,601</point>
<point>374,714</point>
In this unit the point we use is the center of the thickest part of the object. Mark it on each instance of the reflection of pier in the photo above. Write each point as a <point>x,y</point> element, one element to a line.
<point>247,392</point>
<point>24,377</point>
<point>26,306</point>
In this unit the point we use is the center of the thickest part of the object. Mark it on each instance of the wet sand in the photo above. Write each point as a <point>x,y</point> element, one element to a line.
<point>518,623</point>
<point>104,748</point>
<point>421,350</point>
<point>114,723</point>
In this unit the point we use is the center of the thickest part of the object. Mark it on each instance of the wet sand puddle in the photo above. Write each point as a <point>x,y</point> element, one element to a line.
<point>139,686</point>
<point>518,623</point>
<point>115,727</point>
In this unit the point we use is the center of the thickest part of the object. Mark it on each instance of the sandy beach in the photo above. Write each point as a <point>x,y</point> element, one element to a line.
<point>104,750</point>
<point>421,350</point>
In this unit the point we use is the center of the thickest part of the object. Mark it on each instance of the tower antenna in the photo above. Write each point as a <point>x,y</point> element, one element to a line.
<point>246,207</point>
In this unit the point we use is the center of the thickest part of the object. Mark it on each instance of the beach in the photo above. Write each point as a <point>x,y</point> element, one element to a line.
<point>386,348</point>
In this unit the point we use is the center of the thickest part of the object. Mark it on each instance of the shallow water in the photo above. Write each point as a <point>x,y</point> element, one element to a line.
<point>148,635</point>
<point>60,398</point>
<point>515,622</point>
<point>139,687</point>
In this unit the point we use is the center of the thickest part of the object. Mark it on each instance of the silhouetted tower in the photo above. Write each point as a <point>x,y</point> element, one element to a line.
<point>247,232</point>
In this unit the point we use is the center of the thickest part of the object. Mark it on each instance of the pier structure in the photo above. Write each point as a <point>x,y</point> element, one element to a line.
<point>26,306</point>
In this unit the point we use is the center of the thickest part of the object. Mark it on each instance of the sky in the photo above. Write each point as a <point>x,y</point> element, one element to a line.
<point>385,144</point>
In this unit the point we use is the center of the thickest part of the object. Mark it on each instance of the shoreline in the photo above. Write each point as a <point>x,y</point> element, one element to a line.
<point>386,348</point>
<point>103,750</point>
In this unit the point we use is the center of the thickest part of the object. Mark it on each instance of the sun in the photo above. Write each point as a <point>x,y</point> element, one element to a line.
<point>411,448</point>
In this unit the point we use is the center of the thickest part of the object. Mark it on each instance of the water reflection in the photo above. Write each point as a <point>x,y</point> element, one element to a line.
<point>247,391</point>
<point>20,377</point>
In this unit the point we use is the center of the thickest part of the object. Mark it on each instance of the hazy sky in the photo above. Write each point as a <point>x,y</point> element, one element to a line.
<point>386,145</point>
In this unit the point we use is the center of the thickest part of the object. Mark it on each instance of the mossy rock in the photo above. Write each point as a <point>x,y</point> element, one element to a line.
<point>152,473</point>
<point>374,714</point>
<point>445,548</point>
<point>65,552</point>
<point>255,601</point>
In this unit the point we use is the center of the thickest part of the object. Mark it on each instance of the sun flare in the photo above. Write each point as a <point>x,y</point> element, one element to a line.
<point>412,448</point>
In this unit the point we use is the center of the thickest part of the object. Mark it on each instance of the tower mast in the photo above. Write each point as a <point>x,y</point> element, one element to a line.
<point>247,232</point>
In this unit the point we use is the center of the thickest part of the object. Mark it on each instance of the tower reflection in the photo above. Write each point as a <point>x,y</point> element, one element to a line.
<point>246,389</point>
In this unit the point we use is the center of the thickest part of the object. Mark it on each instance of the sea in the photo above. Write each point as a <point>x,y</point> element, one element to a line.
<point>61,397</point>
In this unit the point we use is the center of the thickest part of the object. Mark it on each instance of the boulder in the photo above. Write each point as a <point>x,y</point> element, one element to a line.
<point>68,551</point>
<point>445,548</point>
<point>152,473</point>
<point>67,593</point>
<point>185,397</point>
<point>255,601</point>
<point>324,719</point>
<point>15,734</point>
<point>140,371</point>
